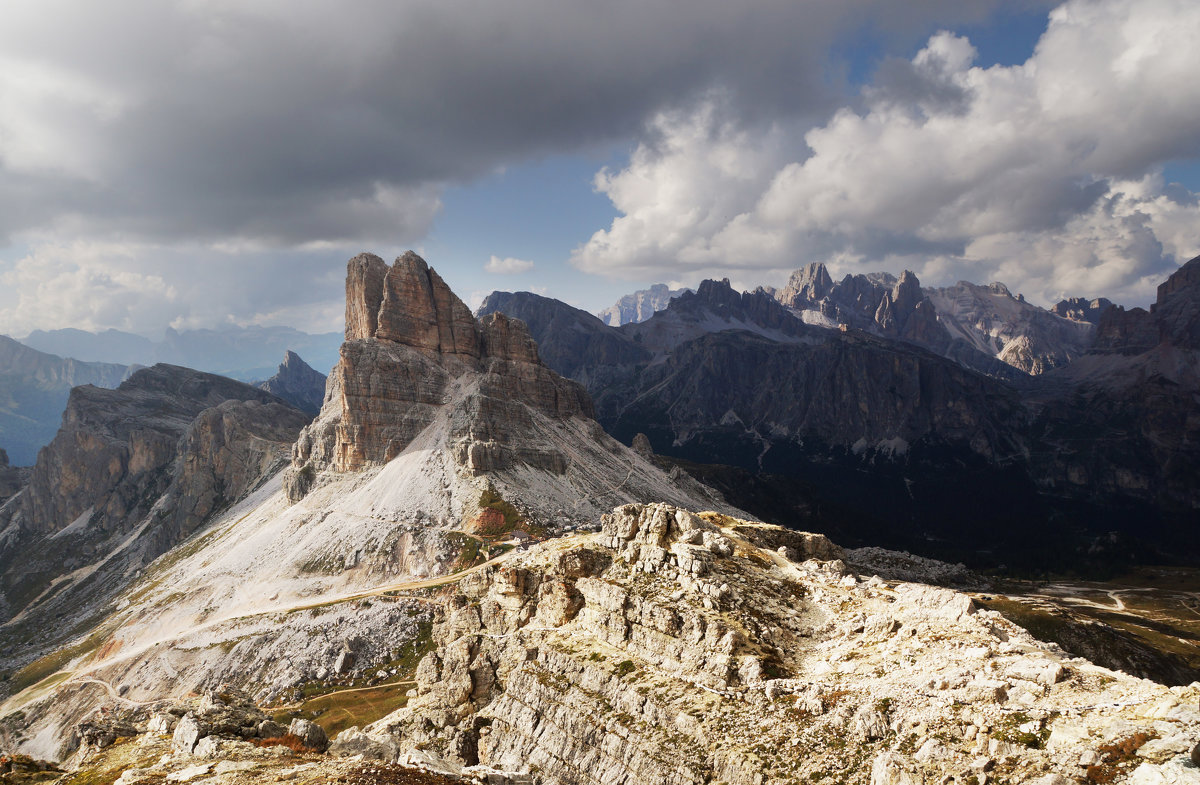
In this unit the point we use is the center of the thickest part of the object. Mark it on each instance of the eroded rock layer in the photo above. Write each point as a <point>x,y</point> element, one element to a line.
<point>670,648</point>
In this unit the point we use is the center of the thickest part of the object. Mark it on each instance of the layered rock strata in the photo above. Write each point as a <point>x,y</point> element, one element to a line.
<point>134,471</point>
<point>412,346</point>
<point>670,649</point>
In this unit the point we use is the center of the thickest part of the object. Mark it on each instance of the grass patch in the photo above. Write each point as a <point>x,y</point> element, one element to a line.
<point>55,661</point>
<point>1010,731</point>
<point>337,711</point>
<point>504,519</point>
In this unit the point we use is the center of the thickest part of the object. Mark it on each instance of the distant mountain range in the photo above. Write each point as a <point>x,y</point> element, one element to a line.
<point>956,421</point>
<point>243,353</point>
<point>640,305</point>
<point>37,374</point>
<point>34,387</point>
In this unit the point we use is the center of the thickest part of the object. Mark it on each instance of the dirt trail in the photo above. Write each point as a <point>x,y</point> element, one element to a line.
<point>425,583</point>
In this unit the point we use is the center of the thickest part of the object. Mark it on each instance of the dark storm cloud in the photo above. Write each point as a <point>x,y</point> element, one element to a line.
<point>291,122</point>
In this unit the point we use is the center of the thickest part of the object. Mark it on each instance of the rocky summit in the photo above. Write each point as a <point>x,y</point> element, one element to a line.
<point>298,384</point>
<point>131,473</point>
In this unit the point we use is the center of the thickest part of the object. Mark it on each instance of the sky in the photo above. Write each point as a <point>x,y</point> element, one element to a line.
<point>200,163</point>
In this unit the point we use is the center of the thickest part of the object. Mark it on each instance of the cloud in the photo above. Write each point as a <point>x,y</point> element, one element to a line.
<point>1041,174</point>
<point>238,138</point>
<point>507,266</point>
<point>144,287</point>
<point>294,122</point>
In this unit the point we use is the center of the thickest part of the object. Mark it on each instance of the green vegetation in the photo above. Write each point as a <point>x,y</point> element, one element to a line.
<point>337,707</point>
<point>41,668</point>
<point>1009,730</point>
<point>509,518</point>
<point>625,667</point>
<point>337,711</point>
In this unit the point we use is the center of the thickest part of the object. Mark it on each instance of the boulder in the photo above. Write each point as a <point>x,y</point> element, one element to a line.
<point>310,733</point>
<point>187,733</point>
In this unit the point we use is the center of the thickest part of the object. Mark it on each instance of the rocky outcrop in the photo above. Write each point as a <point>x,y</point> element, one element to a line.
<point>12,478</point>
<point>298,384</point>
<point>1081,309</point>
<point>670,649</point>
<point>150,460</point>
<point>411,344</point>
<point>640,305</point>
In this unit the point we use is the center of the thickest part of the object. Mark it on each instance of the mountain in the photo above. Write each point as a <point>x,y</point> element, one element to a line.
<point>245,353</point>
<point>442,440</point>
<point>872,437</point>
<point>1121,422</point>
<point>460,577</point>
<point>569,339</point>
<point>33,392</point>
<point>131,472</point>
<point>669,647</point>
<point>1018,333</point>
<point>110,345</point>
<point>965,322</point>
<point>1081,309</point>
<point>298,384</point>
<point>640,305</point>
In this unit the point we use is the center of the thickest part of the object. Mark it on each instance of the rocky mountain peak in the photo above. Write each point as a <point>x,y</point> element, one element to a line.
<point>407,303</point>
<point>297,383</point>
<point>414,353</point>
<point>1081,309</point>
<point>1177,310</point>
<point>1173,319</point>
<point>640,305</point>
<point>810,283</point>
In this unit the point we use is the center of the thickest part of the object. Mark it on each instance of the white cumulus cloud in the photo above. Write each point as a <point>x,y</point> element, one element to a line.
<point>1044,174</point>
<point>507,265</point>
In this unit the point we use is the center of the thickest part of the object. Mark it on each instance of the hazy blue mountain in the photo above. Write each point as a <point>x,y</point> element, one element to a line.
<point>245,353</point>
<point>34,387</point>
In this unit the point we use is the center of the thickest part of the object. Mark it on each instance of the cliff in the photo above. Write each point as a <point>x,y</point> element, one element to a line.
<point>133,471</point>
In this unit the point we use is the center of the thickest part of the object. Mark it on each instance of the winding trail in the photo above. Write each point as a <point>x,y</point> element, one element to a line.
<point>84,674</point>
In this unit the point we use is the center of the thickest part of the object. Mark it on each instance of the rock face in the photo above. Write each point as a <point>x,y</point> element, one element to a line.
<point>670,649</point>
<point>12,478</point>
<point>1020,334</point>
<point>410,345</point>
<point>569,340</point>
<point>640,305</point>
<point>298,384</point>
<point>33,393</point>
<point>885,443</point>
<point>1081,309</point>
<point>1135,397</point>
<point>966,322</point>
<point>150,460</point>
